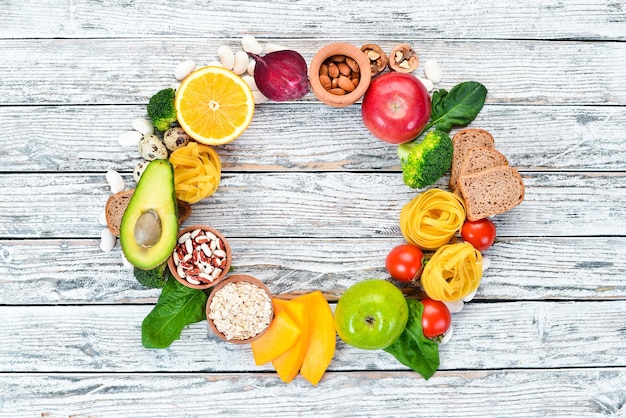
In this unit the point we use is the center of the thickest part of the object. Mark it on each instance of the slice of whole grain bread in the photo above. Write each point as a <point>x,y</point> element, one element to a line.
<point>491,191</point>
<point>117,203</point>
<point>481,158</point>
<point>463,141</point>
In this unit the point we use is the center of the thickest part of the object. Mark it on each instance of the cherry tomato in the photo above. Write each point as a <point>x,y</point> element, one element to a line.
<point>404,262</point>
<point>436,318</point>
<point>480,234</point>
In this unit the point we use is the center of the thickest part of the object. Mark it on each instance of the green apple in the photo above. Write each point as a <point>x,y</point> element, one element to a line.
<point>371,314</point>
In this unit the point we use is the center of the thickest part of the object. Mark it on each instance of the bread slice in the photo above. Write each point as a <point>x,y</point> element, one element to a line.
<point>481,158</point>
<point>118,202</point>
<point>490,192</point>
<point>114,210</point>
<point>463,141</point>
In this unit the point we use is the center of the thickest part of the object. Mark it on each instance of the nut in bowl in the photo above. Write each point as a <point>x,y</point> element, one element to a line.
<point>239,309</point>
<point>339,74</point>
<point>201,257</point>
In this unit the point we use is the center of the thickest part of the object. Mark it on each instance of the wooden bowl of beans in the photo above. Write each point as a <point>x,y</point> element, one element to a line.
<point>339,74</point>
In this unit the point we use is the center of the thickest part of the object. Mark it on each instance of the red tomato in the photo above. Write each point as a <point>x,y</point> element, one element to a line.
<point>396,107</point>
<point>480,234</point>
<point>436,318</point>
<point>404,262</point>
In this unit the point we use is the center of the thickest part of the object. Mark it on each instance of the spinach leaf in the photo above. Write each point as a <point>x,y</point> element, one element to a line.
<point>413,349</point>
<point>177,307</point>
<point>458,107</point>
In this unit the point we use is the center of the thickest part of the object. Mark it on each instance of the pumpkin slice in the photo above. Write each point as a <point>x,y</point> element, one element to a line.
<point>322,337</point>
<point>281,335</point>
<point>288,364</point>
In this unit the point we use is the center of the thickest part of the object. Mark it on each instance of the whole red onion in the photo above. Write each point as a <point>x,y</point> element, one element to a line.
<point>281,75</point>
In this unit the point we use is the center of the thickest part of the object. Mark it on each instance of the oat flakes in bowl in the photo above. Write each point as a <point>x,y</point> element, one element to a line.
<point>239,309</point>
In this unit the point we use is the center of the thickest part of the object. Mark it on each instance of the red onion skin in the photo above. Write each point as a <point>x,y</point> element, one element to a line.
<point>281,75</point>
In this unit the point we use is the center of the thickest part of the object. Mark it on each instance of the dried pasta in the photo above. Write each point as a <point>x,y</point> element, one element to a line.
<point>432,218</point>
<point>197,171</point>
<point>453,272</point>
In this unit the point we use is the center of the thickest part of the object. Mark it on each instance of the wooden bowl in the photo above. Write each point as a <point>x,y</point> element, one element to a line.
<point>173,267</point>
<point>351,51</point>
<point>237,279</point>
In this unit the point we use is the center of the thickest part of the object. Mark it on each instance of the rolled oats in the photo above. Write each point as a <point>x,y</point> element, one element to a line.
<point>240,310</point>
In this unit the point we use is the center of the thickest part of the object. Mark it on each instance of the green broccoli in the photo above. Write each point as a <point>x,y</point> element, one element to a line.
<point>161,109</point>
<point>425,162</point>
<point>154,278</point>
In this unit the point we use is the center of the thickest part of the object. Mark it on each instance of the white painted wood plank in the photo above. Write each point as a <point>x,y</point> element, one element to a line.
<point>76,339</point>
<point>581,393</point>
<point>577,392</point>
<point>535,19</point>
<point>347,205</point>
<point>130,71</point>
<point>308,137</point>
<point>44,272</point>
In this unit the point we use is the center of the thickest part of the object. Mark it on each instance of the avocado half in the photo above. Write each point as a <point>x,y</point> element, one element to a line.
<point>149,228</point>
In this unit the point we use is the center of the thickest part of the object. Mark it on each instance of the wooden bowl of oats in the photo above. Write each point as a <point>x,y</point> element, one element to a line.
<point>239,309</point>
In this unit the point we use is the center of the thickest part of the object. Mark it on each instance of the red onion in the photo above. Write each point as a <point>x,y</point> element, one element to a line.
<point>281,75</point>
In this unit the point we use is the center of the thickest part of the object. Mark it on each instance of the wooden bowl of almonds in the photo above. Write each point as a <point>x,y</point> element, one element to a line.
<point>239,309</point>
<point>201,257</point>
<point>339,74</point>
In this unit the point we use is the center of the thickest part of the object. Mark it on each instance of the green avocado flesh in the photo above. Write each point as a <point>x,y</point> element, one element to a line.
<point>149,227</point>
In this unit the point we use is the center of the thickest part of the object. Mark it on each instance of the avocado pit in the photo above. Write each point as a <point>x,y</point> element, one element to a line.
<point>148,229</point>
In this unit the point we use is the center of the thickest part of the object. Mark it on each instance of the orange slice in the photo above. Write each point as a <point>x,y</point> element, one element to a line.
<point>214,105</point>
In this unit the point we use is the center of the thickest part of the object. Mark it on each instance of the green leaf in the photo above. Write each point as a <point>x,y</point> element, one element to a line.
<point>413,349</point>
<point>177,307</point>
<point>458,107</point>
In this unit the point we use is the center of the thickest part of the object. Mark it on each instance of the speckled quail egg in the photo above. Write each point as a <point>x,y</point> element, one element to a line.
<point>139,169</point>
<point>151,148</point>
<point>175,138</point>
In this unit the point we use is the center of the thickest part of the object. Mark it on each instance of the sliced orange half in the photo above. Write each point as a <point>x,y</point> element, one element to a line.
<point>214,105</point>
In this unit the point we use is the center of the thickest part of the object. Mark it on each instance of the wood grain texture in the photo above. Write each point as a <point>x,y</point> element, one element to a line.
<point>486,336</point>
<point>48,272</point>
<point>535,19</point>
<point>570,392</point>
<point>310,137</point>
<point>348,205</point>
<point>92,71</point>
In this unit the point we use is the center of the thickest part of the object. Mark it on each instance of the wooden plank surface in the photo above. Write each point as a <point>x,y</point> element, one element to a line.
<point>80,139</point>
<point>92,71</point>
<point>68,271</point>
<point>535,19</point>
<point>310,200</point>
<point>586,392</point>
<point>349,205</point>
<point>107,338</point>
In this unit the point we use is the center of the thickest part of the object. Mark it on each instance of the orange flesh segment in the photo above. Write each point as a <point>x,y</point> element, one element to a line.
<point>288,364</point>
<point>281,335</point>
<point>322,337</point>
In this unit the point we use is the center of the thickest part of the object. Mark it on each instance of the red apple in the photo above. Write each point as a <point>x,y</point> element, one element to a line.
<point>396,107</point>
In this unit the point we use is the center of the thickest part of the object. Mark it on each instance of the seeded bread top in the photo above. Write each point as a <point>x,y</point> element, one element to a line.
<point>490,192</point>
<point>118,202</point>
<point>463,141</point>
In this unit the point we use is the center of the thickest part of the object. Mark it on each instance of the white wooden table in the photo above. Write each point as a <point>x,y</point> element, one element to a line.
<point>310,200</point>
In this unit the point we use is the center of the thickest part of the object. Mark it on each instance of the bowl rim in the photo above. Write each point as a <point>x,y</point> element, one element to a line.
<point>172,266</point>
<point>349,50</point>
<point>237,278</point>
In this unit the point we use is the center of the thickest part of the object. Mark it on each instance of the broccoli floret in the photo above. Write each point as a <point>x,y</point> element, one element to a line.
<point>161,109</point>
<point>154,278</point>
<point>425,162</point>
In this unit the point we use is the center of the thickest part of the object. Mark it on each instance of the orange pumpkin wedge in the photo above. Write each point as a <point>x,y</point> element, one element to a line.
<point>280,336</point>
<point>288,364</point>
<point>322,337</point>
